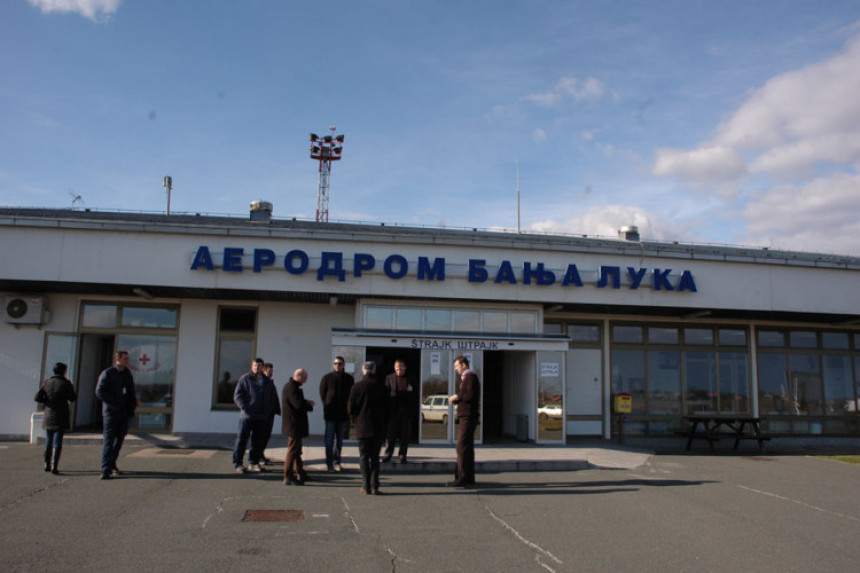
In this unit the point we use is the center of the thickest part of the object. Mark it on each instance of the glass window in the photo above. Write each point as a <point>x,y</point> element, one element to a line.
<point>237,329</point>
<point>772,388</point>
<point>437,320</point>
<point>734,382</point>
<point>149,317</point>
<point>496,322</point>
<point>627,334</point>
<point>803,339</point>
<point>408,319</point>
<point>700,336</point>
<point>664,382</point>
<point>701,382</point>
<point>467,321</point>
<point>662,335</point>
<point>771,338</point>
<point>838,386</point>
<point>99,316</point>
<point>804,384</point>
<point>628,376</point>
<point>378,318</point>
<point>524,322</point>
<point>837,340</point>
<point>584,333</point>
<point>732,337</point>
<point>552,328</point>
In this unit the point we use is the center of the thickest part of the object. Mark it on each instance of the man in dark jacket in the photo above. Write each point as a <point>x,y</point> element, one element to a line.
<point>468,401</point>
<point>256,397</point>
<point>55,393</point>
<point>115,388</point>
<point>294,425</point>
<point>368,407</point>
<point>403,401</point>
<point>334,392</point>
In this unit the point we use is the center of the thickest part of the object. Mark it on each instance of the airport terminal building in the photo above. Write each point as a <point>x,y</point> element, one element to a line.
<point>555,326</point>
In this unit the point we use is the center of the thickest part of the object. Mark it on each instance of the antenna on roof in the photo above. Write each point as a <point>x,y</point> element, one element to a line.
<point>168,186</point>
<point>75,198</point>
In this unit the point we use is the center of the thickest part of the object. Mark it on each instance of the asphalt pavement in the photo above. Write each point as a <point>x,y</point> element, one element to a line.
<point>627,509</point>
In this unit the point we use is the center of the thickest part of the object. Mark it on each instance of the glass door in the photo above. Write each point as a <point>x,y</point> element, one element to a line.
<point>438,381</point>
<point>152,361</point>
<point>550,397</point>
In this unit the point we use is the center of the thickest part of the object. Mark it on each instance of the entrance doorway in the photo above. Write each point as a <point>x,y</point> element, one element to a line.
<point>385,358</point>
<point>96,355</point>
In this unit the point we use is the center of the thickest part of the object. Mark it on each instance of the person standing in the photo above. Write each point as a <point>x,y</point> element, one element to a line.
<point>403,402</point>
<point>294,425</point>
<point>115,388</point>
<point>55,393</point>
<point>270,374</point>
<point>368,407</point>
<point>334,393</point>
<point>468,401</point>
<point>257,398</point>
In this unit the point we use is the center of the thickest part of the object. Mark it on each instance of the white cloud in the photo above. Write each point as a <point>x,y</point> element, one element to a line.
<point>819,216</point>
<point>570,88</point>
<point>539,135</point>
<point>794,124</point>
<point>93,9</point>
<point>605,220</point>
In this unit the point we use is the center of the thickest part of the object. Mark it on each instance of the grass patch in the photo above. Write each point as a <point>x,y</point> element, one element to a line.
<point>845,459</point>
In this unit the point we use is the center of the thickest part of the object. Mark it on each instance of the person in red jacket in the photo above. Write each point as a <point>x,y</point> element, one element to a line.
<point>468,401</point>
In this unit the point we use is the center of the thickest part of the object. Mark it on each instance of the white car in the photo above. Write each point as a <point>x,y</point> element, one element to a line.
<point>435,408</point>
<point>545,412</point>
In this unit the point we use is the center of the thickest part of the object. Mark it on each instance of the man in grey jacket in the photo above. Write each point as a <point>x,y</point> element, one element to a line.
<point>257,398</point>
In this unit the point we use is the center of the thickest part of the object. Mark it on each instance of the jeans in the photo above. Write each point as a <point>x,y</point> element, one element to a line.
<point>53,439</point>
<point>334,433</point>
<point>256,429</point>
<point>115,429</point>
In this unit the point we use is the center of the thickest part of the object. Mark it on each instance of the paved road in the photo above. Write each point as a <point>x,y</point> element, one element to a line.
<point>184,510</point>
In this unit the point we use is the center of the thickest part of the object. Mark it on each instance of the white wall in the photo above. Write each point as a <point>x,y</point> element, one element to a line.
<point>289,335</point>
<point>21,351</point>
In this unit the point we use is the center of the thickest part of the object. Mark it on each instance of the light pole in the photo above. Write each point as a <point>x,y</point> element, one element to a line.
<point>325,149</point>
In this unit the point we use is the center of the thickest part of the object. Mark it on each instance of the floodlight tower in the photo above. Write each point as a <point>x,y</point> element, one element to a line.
<point>325,149</point>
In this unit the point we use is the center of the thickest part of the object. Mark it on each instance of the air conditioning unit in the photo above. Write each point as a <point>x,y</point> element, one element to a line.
<point>24,310</point>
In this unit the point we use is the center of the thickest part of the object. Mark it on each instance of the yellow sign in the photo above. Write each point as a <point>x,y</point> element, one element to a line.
<point>623,403</point>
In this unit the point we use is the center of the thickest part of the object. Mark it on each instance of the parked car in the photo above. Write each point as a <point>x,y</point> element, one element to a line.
<point>435,408</point>
<point>545,412</point>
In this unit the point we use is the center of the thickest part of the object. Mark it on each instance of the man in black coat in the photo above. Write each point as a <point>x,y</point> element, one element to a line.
<point>403,400</point>
<point>294,425</point>
<point>55,393</point>
<point>334,392</point>
<point>468,401</point>
<point>368,408</point>
<point>115,388</point>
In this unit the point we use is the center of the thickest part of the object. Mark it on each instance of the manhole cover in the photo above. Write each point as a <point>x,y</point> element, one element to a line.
<point>274,515</point>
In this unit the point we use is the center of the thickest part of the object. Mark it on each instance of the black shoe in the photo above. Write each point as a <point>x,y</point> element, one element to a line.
<point>47,467</point>
<point>55,471</point>
<point>454,483</point>
<point>115,471</point>
<point>376,491</point>
<point>304,477</point>
<point>403,459</point>
<point>105,475</point>
<point>386,458</point>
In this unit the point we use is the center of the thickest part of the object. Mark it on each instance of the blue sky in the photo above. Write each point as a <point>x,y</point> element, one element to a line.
<point>731,122</point>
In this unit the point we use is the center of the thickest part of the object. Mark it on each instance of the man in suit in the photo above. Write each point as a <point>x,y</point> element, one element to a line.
<point>115,388</point>
<point>368,407</point>
<point>403,403</point>
<point>294,425</point>
<point>468,402</point>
